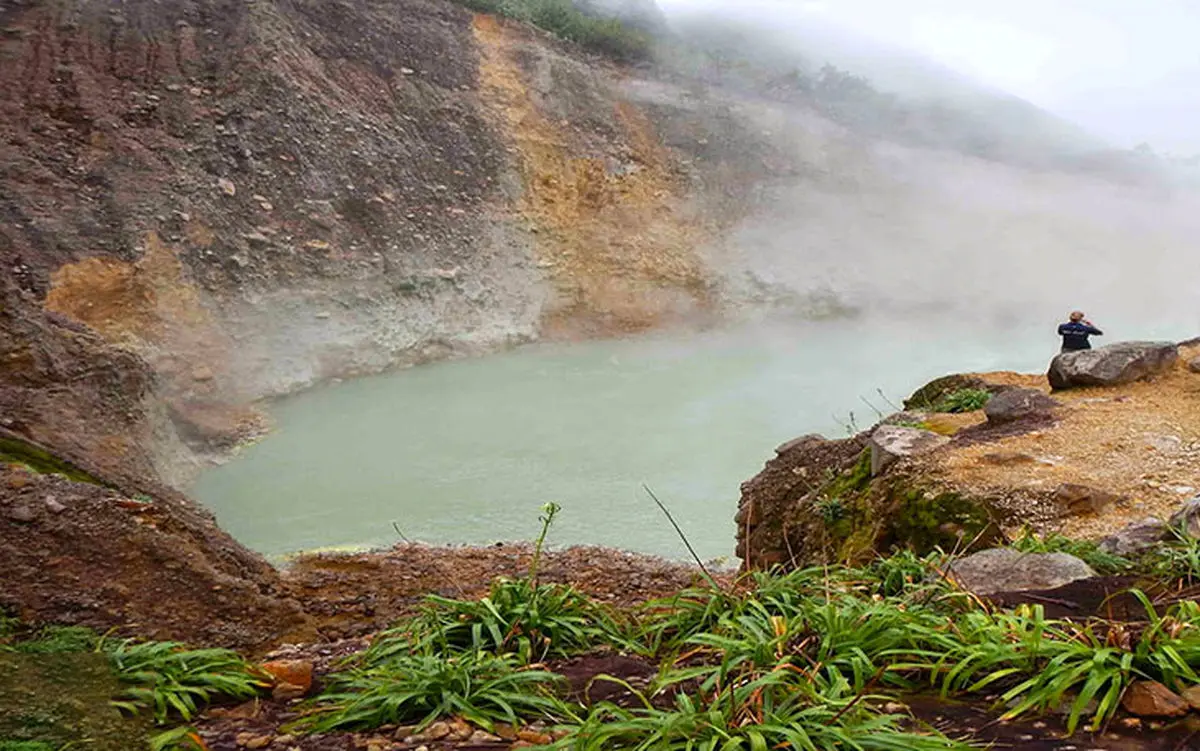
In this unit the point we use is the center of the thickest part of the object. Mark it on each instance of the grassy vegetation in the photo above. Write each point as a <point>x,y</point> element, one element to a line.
<point>36,459</point>
<point>1085,550</point>
<point>480,687</point>
<point>96,678</point>
<point>806,659</point>
<point>963,400</point>
<point>1178,559</point>
<point>607,36</point>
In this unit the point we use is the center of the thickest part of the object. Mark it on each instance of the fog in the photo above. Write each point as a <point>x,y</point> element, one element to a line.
<point>975,174</point>
<point>1126,71</point>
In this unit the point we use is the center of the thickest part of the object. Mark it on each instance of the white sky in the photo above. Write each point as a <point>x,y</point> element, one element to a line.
<point>1127,70</point>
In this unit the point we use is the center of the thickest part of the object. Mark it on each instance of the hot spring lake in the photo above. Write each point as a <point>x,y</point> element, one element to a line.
<point>467,451</point>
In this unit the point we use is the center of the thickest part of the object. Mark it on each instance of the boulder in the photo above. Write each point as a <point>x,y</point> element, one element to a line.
<point>291,678</point>
<point>1135,538</point>
<point>1017,404</point>
<point>1186,519</point>
<point>1192,696</point>
<point>930,394</point>
<point>1194,364</point>
<point>1074,499</point>
<point>1153,699</point>
<point>1007,570</point>
<point>1116,364</point>
<point>891,442</point>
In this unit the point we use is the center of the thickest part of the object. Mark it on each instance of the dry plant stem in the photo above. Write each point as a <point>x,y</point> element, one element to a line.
<point>683,537</point>
<point>445,571</point>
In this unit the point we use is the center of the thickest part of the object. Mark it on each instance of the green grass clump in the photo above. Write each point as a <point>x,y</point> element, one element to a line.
<point>784,659</point>
<point>1177,559</point>
<point>58,640</point>
<point>777,709</point>
<point>417,689</point>
<point>1040,662</point>
<point>607,36</point>
<point>534,621</point>
<point>1085,550</point>
<point>162,679</point>
<point>170,680</point>
<point>963,400</point>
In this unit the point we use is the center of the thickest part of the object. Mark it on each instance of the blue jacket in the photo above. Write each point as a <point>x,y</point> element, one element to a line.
<point>1075,335</point>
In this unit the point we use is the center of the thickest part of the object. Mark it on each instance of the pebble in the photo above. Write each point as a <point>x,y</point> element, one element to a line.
<point>434,732</point>
<point>54,506</point>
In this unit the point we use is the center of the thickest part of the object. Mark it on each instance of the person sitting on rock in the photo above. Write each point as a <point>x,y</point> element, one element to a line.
<point>1075,333</point>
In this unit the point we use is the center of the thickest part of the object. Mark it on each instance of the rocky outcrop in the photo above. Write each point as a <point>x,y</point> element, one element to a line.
<point>1187,519</point>
<point>819,501</point>
<point>1136,538</point>
<point>1007,570</point>
<point>88,534</point>
<point>1113,365</point>
<point>1076,464</point>
<point>76,552</point>
<point>295,194</point>
<point>890,443</point>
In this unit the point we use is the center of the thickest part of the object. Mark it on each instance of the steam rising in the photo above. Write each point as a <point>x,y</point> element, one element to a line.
<point>948,201</point>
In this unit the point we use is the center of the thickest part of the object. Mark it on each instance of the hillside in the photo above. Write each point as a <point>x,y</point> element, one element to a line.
<point>207,204</point>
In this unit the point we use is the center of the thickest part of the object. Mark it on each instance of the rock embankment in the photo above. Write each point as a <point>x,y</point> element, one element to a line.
<point>1091,461</point>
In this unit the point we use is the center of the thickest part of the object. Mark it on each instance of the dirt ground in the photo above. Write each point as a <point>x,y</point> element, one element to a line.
<point>1140,442</point>
<point>357,594</point>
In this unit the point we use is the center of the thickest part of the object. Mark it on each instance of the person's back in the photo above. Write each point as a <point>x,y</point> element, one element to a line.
<point>1076,331</point>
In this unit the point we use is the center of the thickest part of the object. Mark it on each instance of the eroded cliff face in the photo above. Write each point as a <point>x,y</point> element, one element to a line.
<point>254,197</point>
<point>206,202</point>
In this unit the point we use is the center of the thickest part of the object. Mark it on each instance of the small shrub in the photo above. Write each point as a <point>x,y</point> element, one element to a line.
<point>1085,550</point>
<point>832,510</point>
<point>963,400</point>
<point>534,621</point>
<point>1178,559</point>
<point>417,689</point>
<point>905,570</point>
<point>607,36</point>
<point>166,678</point>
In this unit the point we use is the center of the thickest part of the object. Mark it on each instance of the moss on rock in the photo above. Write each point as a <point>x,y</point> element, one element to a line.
<point>61,700</point>
<point>37,459</point>
<point>922,521</point>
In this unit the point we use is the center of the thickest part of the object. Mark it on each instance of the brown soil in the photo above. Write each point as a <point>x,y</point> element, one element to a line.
<point>1140,441</point>
<point>78,553</point>
<point>1105,597</point>
<point>977,723</point>
<point>351,595</point>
